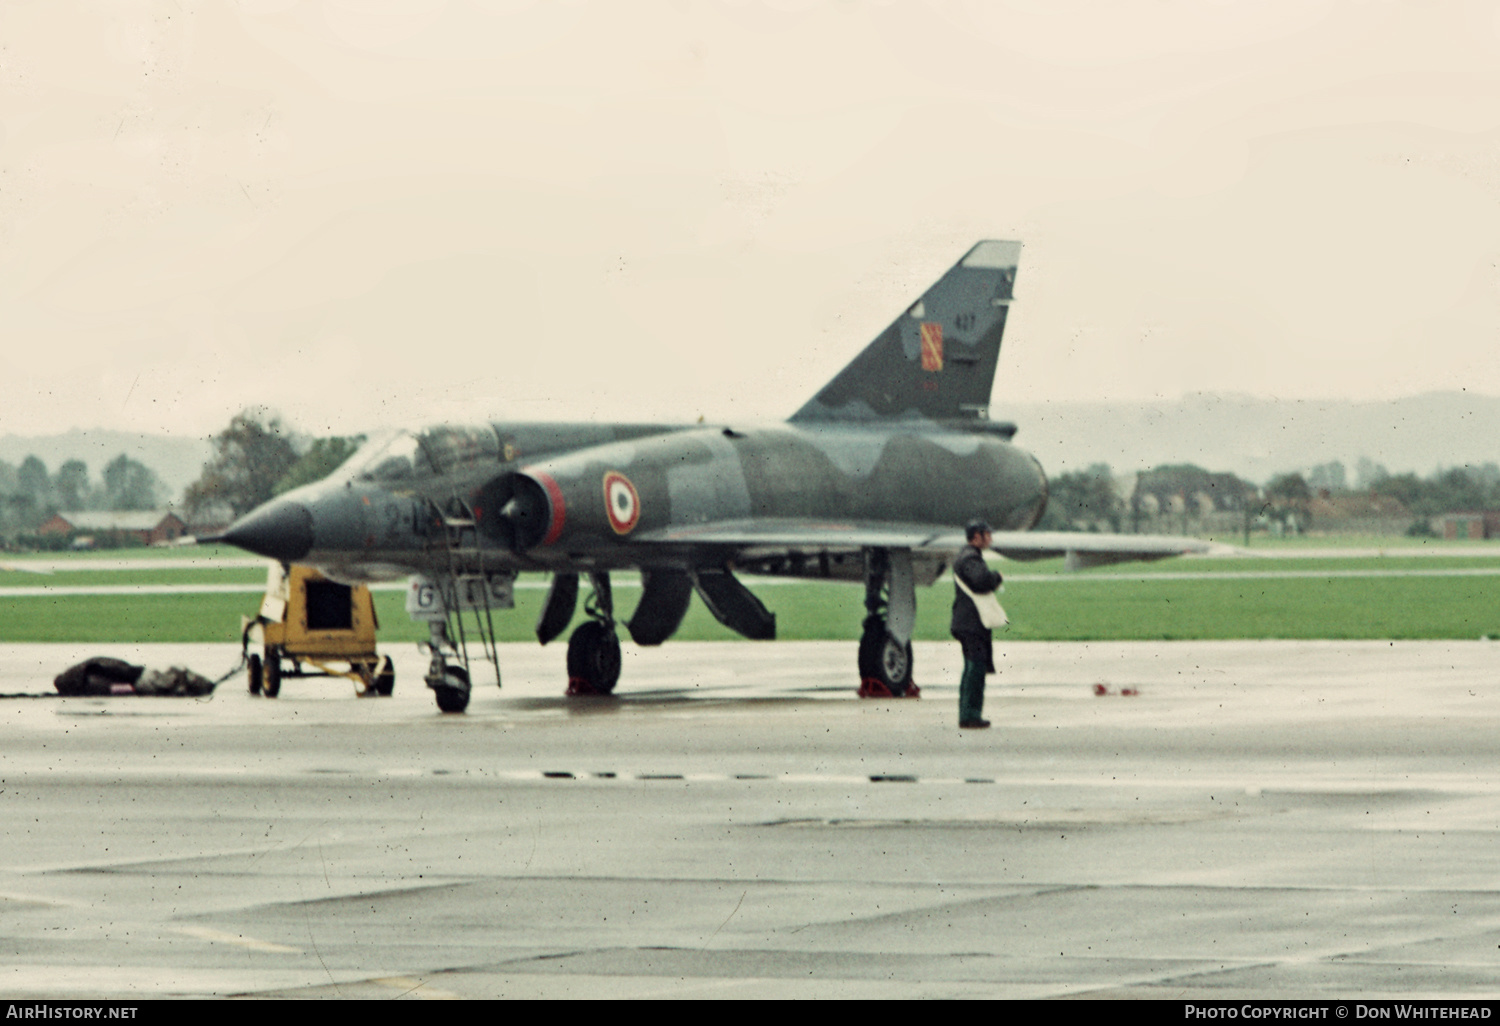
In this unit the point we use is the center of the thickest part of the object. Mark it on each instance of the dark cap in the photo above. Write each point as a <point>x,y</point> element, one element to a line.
<point>974,527</point>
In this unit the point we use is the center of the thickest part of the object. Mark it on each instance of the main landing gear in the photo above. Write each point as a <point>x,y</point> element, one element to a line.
<point>594,649</point>
<point>885,663</point>
<point>885,656</point>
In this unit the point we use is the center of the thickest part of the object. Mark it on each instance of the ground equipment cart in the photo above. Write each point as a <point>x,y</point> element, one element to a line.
<point>310,626</point>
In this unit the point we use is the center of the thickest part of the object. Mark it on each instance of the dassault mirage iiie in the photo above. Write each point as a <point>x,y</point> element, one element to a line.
<point>869,481</point>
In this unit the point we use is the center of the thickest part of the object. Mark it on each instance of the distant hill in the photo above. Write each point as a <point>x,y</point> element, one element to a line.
<point>176,461</point>
<point>1259,438</point>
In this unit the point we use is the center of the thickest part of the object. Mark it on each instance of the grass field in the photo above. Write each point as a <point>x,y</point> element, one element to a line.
<point>1451,591</point>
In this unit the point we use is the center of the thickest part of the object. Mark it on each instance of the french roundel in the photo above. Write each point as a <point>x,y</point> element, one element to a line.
<point>622,502</point>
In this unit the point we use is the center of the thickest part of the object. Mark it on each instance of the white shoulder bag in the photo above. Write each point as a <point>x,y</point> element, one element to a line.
<point>991,613</point>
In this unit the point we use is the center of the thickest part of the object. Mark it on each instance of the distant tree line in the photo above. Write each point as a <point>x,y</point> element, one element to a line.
<point>30,495</point>
<point>1173,495</point>
<point>1457,489</point>
<point>1085,500</point>
<point>255,459</point>
<point>1179,496</point>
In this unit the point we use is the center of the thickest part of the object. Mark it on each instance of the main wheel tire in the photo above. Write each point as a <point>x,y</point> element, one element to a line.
<point>883,658</point>
<point>255,670</point>
<point>594,657</point>
<point>453,695</point>
<point>385,677</point>
<point>271,685</point>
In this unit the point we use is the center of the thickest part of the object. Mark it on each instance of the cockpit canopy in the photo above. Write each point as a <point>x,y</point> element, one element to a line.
<point>405,456</point>
<point>386,458</point>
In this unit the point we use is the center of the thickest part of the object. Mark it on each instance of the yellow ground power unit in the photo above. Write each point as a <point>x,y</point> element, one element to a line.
<point>309,626</point>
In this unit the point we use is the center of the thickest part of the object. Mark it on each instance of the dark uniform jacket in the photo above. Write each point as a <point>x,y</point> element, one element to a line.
<point>966,626</point>
<point>971,568</point>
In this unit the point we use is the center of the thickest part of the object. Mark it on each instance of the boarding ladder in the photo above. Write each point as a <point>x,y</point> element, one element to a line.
<point>461,542</point>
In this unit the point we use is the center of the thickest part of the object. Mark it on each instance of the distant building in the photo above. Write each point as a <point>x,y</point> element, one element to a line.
<point>1472,526</point>
<point>212,517</point>
<point>1183,498</point>
<point>1359,513</point>
<point>149,527</point>
<point>1192,489</point>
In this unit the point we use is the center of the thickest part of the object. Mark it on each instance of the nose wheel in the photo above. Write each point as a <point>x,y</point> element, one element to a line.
<point>449,681</point>
<point>453,693</point>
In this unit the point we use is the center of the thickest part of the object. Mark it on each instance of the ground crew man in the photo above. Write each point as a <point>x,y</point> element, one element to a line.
<point>967,627</point>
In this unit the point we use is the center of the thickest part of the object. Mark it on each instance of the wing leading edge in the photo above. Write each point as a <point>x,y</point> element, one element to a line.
<point>1081,551</point>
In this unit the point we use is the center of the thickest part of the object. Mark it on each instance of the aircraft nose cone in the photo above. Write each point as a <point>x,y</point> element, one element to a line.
<point>280,530</point>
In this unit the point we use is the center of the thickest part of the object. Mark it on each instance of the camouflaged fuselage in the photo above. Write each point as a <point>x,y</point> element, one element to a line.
<point>668,498</point>
<point>663,499</point>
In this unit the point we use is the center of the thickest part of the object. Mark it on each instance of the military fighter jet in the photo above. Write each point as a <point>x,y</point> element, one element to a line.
<point>869,481</point>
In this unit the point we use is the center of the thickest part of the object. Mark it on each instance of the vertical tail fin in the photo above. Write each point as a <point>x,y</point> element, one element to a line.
<point>937,361</point>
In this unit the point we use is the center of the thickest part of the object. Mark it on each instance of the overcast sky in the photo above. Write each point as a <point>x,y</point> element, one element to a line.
<point>380,212</point>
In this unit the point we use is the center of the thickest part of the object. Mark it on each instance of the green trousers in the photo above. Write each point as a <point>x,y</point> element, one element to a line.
<point>971,693</point>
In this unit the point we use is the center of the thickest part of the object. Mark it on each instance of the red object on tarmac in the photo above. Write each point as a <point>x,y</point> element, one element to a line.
<point>869,687</point>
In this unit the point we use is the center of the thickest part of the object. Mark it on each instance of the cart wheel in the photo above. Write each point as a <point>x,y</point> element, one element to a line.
<point>272,683</point>
<point>385,677</point>
<point>255,672</point>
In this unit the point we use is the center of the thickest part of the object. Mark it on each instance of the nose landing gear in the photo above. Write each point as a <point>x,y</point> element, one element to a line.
<point>449,681</point>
